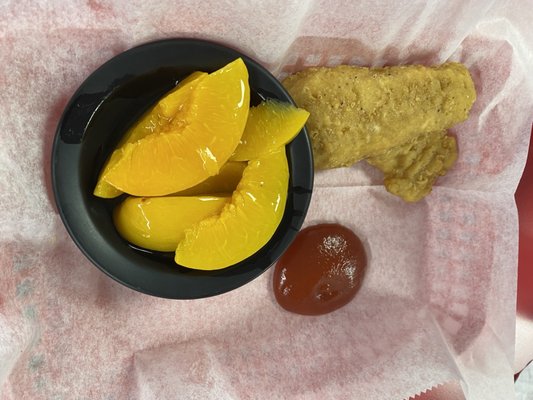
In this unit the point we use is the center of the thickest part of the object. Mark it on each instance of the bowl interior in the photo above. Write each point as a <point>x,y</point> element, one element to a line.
<point>101,111</point>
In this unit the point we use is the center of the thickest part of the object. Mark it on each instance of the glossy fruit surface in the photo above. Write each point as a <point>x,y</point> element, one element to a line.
<point>191,148</point>
<point>246,224</point>
<point>271,125</point>
<point>159,223</point>
<point>173,107</point>
<point>225,181</point>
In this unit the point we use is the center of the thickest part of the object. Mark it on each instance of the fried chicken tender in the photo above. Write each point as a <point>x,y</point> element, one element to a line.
<point>411,169</point>
<point>360,112</point>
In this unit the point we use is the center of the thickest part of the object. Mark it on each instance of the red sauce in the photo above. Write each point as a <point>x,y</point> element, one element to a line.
<point>321,271</point>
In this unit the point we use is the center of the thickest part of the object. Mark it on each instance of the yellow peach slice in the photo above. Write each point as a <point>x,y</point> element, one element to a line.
<point>225,181</point>
<point>271,125</point>
<point>159,223</point>
<point>184,154</point>
<point>244,225</point>
<point>170,109</point>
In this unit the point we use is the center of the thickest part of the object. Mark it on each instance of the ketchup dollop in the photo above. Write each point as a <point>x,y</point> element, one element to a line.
<point>321,271</point>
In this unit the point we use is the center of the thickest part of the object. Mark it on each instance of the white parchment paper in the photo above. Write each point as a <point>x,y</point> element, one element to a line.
<point>438,302</point>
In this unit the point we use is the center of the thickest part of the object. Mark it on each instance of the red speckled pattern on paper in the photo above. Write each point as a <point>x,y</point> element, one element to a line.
<point>437,304</point>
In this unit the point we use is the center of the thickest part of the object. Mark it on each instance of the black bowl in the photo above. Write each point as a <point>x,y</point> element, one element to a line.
<point>99,113</point>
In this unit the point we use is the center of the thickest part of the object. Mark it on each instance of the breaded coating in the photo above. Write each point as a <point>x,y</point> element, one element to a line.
<point>358,112</point>
<point>411,169</point>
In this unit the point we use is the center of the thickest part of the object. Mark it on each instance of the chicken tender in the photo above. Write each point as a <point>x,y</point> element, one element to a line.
<point>411,169</point>
<point>359,112</point>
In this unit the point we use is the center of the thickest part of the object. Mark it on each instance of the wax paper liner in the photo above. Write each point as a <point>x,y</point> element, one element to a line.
<point>437,304</point>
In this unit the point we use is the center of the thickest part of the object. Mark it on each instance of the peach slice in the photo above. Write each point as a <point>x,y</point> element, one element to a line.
<point>271,125</point>
<point>170,108</point>
<point>159,223</point>
<point>245,224</point>
<point>187,152</point>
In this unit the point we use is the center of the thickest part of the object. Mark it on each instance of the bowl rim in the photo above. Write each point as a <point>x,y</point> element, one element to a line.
<point>61,143</point>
